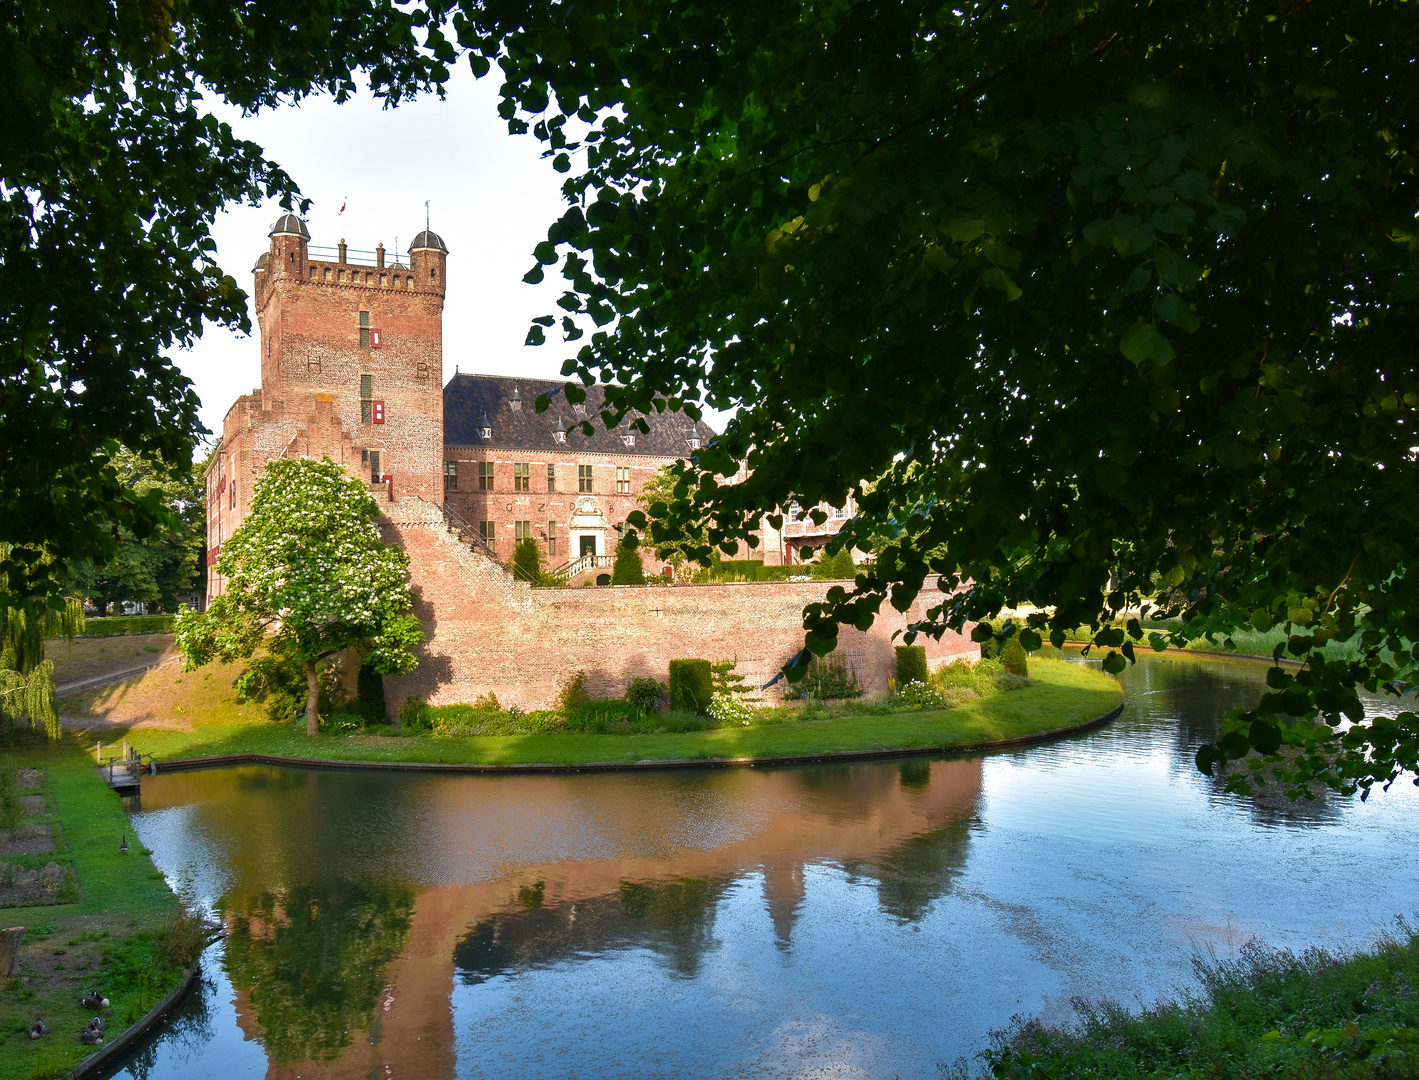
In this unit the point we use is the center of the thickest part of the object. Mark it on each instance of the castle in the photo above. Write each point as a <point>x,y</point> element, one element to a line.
<point>351,346</point>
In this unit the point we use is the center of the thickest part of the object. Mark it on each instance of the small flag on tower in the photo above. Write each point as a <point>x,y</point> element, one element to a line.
<point>345,202</point>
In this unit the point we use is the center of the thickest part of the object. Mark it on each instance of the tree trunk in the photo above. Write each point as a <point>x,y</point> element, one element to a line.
<point>10,951</point>
<point>312,716</point>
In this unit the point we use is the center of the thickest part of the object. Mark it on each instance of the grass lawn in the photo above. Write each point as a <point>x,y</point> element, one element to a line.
<point>105,941</point>
<point>1064,694</point>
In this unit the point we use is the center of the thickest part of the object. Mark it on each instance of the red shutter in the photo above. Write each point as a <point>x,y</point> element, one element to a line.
<point>377,411</point>
<point>375,340</point>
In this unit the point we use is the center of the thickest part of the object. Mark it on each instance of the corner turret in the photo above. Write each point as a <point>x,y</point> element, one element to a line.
<point>289,247</point>
<point>428,259</point>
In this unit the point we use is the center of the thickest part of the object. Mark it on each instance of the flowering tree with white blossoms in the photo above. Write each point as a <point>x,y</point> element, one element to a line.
<point>307,574</point>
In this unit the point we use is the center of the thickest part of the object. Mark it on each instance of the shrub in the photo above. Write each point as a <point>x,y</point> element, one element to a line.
<point>982,678</point>
<point>342,723</point>
<point>724,679</point>
<point>1009,649</point>
<point>527,562</point>
<point>691,685</point>
<point>911,664</point>
<point>573,694</point>
<point>605,716</point>
<point>1014,657</point>
<point>12,808</point>
<point>837,567</point>
<point>628,568</point>
<point>730,710</point>
<point>922,695</point>
<point>829,677</point>
<point>414,713</point>
<point>645,695</point>
<point>485,717</point>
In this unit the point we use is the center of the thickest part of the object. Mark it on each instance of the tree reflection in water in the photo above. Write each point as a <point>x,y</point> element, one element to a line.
<point>311,962</point>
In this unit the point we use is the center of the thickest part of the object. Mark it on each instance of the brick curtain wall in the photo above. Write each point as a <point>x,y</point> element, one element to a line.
<point>490,633</point>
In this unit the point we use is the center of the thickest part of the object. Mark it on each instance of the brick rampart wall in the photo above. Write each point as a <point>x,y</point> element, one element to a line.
<point>489,632</point>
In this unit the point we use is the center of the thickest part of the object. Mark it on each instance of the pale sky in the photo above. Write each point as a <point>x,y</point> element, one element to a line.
<point>492,198</point>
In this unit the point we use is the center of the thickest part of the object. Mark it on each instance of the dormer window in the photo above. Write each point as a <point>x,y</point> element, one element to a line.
<point>514,401</point>
<point>693,439</point>
<point>558,435</point>
<point>629,439</point>
<point>484,426</point>
<point>579,408</point>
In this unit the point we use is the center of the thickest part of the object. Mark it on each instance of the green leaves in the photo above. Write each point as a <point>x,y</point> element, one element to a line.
<point>1172,308</point>
<point>1145,187</point>
<point>1144,342</point>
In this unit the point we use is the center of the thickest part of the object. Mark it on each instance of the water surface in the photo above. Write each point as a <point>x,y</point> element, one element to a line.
<point>867,920</point>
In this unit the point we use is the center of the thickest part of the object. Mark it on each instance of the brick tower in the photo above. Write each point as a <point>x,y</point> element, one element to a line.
<point>351,369</point>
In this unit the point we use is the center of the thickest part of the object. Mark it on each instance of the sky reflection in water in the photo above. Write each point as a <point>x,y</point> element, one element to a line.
<point>866,920</point>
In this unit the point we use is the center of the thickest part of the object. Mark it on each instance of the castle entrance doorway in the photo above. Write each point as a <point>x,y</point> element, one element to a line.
<point>588,545</point>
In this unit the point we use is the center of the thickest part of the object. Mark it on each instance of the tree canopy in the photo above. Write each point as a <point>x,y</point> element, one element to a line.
<point>111,173</point>
<point>307,577</point>
<point>165,564</point>
<point>1114,304</point>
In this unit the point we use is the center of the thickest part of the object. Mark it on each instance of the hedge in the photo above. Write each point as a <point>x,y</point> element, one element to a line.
<point>691,685</point>
<point>116,625</point>
<point>911,665</point>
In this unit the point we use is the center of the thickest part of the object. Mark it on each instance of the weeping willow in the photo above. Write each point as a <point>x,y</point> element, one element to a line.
<point>26,677</point>
<point>30,698</point>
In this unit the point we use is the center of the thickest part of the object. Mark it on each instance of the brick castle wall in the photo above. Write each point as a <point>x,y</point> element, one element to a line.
<point>490,633</point>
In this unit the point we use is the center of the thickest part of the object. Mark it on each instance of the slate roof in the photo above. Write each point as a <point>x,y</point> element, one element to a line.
<point>289,225</point>
<point>467,399</point>
<point>430,240</point>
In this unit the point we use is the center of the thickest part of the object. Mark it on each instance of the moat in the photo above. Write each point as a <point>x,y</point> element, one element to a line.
<point>867,920</point>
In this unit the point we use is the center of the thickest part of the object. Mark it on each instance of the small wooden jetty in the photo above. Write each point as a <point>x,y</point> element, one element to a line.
<point>122,769</point>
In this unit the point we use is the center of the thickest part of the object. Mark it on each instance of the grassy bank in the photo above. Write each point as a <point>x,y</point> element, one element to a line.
<point>115,939</point>
<point>1063,694</point>
<point>1266,1014</point>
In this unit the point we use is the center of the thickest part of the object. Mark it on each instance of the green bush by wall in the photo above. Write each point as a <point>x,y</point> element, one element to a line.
<point>911,665</point>
<point>691,685</point>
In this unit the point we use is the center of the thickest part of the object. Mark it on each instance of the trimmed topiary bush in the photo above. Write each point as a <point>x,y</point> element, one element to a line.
<point>911,664</point>
<point>691,685</point>
<point>628,568</point>
<point>1014,657</point>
